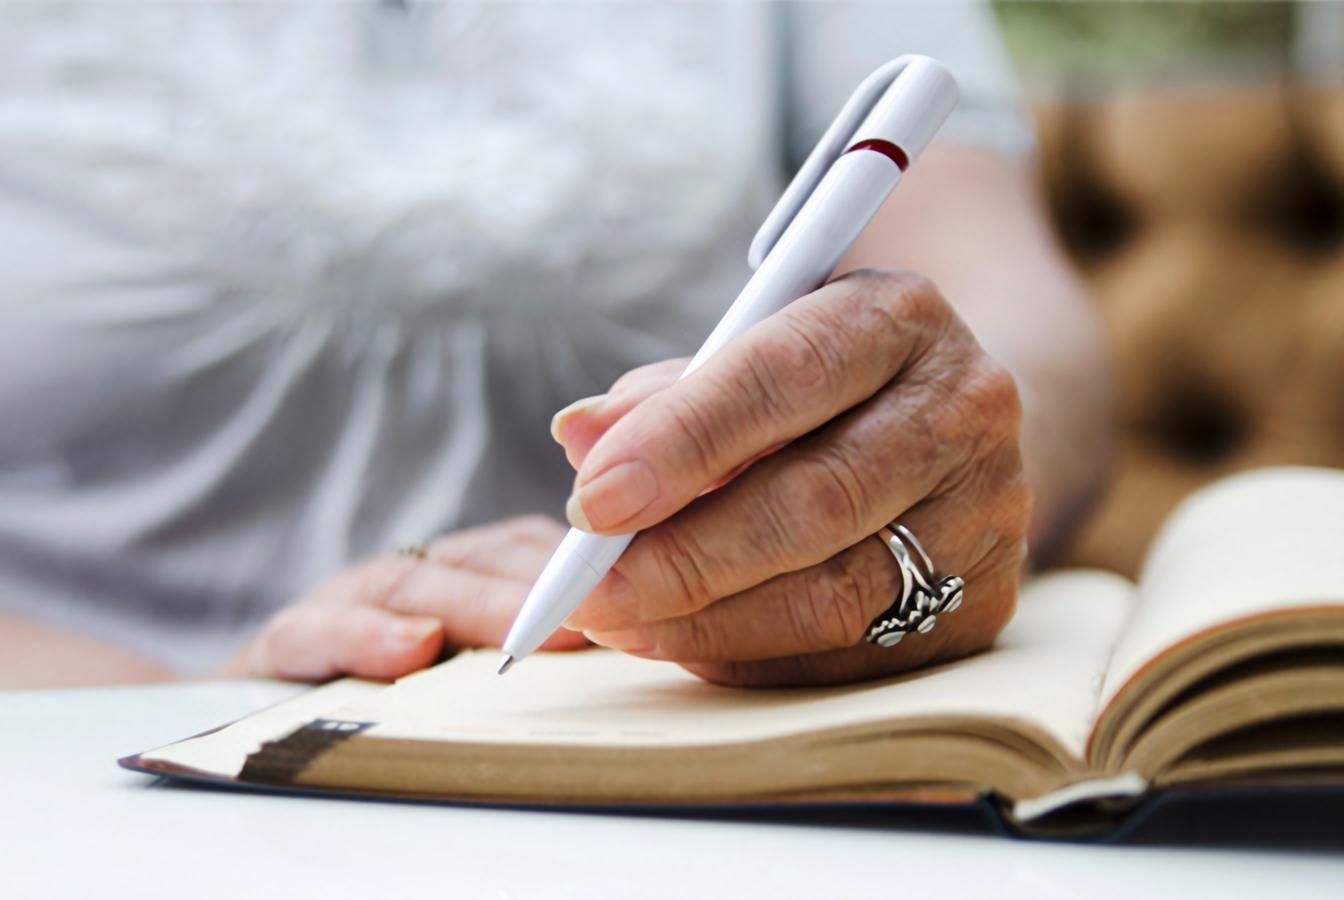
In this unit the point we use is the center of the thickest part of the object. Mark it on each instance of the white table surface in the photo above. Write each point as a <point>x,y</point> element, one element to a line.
<point>72,824</point>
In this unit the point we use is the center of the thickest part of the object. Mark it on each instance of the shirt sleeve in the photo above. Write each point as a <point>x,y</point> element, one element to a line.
<point>829,47</point>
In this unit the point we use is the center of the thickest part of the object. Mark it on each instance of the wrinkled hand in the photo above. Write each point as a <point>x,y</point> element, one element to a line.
<point>864,402</point>
<point>395,614</point>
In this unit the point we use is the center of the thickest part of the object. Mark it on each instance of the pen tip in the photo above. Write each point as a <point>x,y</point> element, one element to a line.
<point>504,666</point>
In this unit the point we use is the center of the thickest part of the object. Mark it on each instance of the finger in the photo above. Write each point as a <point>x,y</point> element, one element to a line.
<point>823,607</point>
<point>578,426</point>
<point>515,548</point>
<point>813,498</point>
<point>973,627</point>
<point>781,379</point>
<point>476,610</point>
<point>831,605</point>
<point>313,642</point>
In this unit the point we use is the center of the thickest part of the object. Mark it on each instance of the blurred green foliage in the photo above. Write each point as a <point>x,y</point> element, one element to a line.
<point>1050,39</point>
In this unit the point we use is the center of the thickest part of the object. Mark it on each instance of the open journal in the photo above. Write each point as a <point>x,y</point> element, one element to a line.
<point>1223,665</point>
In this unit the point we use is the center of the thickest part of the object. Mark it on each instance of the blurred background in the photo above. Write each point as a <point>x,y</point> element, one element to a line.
<point>1193,161</point>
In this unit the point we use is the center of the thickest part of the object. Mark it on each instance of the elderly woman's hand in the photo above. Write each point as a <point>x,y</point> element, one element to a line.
<point>865,402</point>
<point>390,615</point>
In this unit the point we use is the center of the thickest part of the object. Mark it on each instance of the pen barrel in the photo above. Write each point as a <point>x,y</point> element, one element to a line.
<point>572,572</point>
<point>844,202</point>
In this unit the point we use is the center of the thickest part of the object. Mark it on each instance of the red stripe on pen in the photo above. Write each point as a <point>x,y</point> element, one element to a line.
<point>886,148</point>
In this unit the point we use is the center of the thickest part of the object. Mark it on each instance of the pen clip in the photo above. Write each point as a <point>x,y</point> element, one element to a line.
<point>833,143</point>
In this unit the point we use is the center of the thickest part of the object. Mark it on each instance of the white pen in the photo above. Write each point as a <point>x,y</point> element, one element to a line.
<point>883,126</point>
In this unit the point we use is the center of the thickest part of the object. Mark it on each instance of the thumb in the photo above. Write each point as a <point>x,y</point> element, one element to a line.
<point>578,426</point>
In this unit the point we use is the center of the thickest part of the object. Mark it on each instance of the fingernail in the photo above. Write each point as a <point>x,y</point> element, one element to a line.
<point>612,497</point>
<point>631,640</point>
<point>414,631</point>
<point>577,406</point>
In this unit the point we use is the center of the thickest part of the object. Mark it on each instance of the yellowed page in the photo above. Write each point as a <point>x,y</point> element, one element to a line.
<point>1264,541</point>
<point>1046,670</point>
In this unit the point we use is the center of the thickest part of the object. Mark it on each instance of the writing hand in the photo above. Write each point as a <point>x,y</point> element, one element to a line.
<point>882,406</point>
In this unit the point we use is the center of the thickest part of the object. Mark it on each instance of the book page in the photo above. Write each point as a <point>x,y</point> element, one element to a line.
<point>1045,670</point>
<point>222,752</point>
<point>1266,540</point>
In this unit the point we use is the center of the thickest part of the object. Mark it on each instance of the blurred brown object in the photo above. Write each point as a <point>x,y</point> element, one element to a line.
<point>1210,226</point>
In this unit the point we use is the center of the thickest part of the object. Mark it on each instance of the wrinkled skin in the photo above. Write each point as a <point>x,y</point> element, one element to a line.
<point>756,484</point>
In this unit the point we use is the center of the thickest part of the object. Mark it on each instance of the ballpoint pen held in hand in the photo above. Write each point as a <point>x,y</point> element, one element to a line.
<point>881,129</point>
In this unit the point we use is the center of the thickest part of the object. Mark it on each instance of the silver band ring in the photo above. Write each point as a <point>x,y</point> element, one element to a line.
<point>924,595</point>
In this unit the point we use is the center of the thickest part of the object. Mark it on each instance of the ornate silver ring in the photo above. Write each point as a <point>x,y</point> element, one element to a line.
<point>924,595</point>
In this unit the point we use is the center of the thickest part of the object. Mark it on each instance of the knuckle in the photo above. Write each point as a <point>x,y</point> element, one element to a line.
<point>776,529</point>
<point>922,298</point>
<point>974,413</point>
<point>839,602</point>
<point>901,296</point>
<point>445,547</point>
<point>772,372</point>
<point>800,359</point>
<point>688,420</point>
<point>380,584</point>
<point>694,640</point>
<point>369,583</point>
<point>905,309</point>
<point>996,399</point>
<point>682,566</point>
<point>835,494</point>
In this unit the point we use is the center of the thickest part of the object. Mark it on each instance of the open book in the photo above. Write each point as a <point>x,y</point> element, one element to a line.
<point>1225,663</point>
